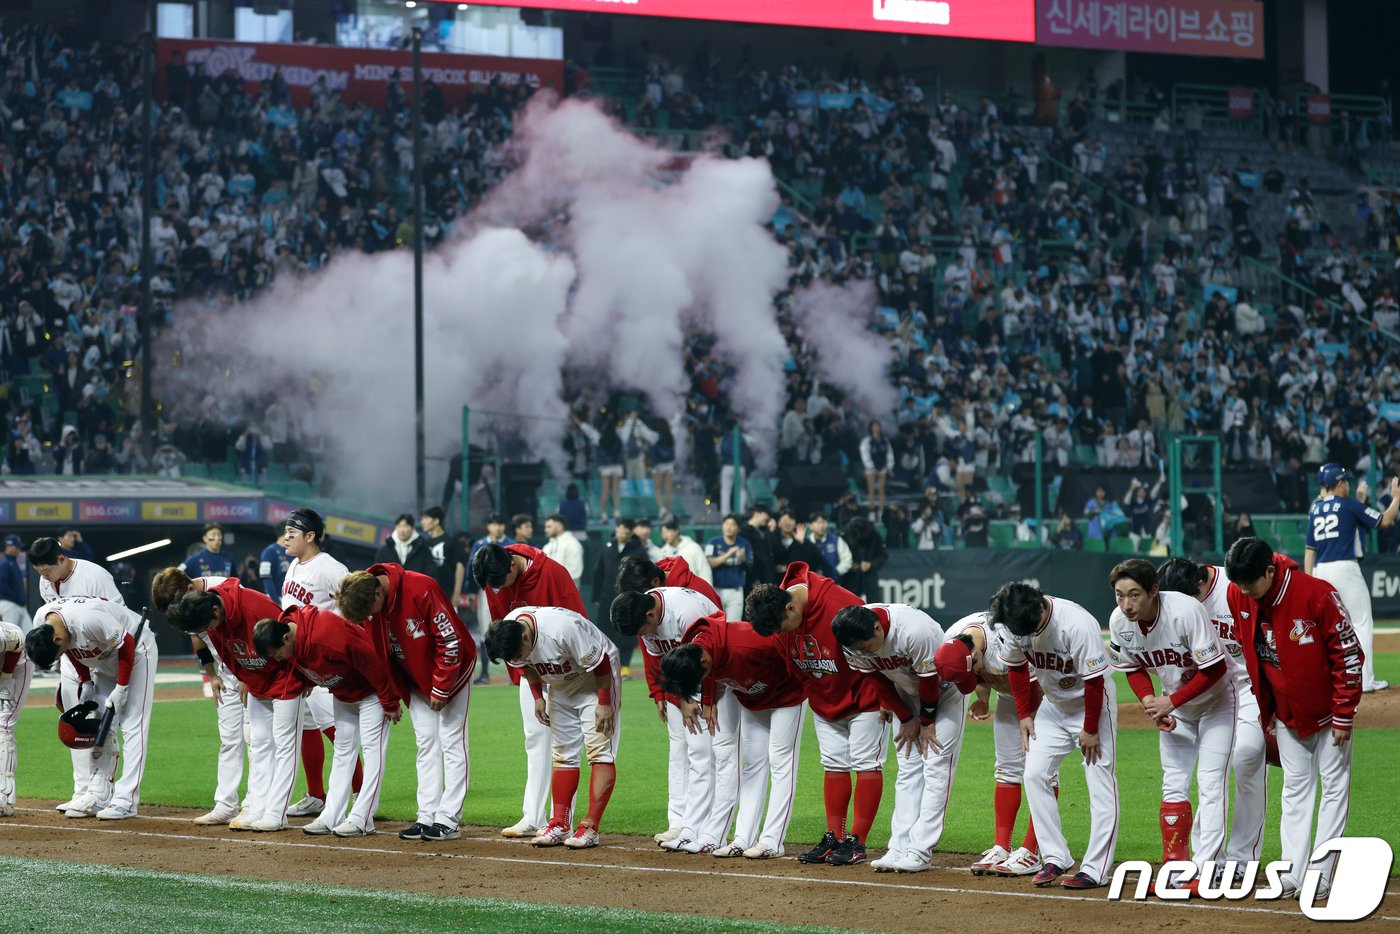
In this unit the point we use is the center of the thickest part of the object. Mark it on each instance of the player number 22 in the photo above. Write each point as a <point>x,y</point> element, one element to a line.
<point>1325,526</point>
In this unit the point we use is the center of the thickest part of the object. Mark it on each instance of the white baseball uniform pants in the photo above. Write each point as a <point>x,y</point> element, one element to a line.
<point>1203,738</point>
<point>1056,736</point>
<point>771,741</point>
<point>732,602</point>
<point>360,729</point>
<point>1006,737</point>
<point>68,698</point>
<point>855,744</point>
<point>712,775</point>
<point>1304,762</point>
<point>318,710</point>
<point>134,725</point>
<point>232,718</point>
<point>13,692</point>
<point>534,809</point>
<point>444,763</point>
<point>1351,586</point>
<point>677,766</point>
<point>573,730</point>
<point>1251,770</point>
<point>11,612</point>
<point>273,744</point>
<point>923,783</point>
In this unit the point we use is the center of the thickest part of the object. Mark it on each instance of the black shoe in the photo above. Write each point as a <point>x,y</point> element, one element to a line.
<point>850,852</point>
<point>441,832</point>
<point>821,851</point>
<point>414,831</point>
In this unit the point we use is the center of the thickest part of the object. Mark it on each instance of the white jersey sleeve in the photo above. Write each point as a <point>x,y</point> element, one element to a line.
<point>1120,635</point>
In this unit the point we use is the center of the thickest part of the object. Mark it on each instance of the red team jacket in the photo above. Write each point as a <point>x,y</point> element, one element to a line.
<point>745,661</point>
<point>338,656</point>
<point>678,574</point>
<point>815,657</point>
<point>545,582</point>
<point>422,633</point>
<point>233,640</point>
<point>1302,654</point>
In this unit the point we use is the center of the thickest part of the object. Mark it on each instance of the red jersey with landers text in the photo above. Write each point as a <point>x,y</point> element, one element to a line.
<point>911,638</point>
<point>337,655</point>
<point>1063,655</point>
<point>1175,647</point>
<point>233,640</point>
<point>750,665</point>
<point>418,628</point>
<point>544,582</point>
<point>1223,619</point>
<point>567,648</point>
<point>311,583</point>
<point>813,654</point>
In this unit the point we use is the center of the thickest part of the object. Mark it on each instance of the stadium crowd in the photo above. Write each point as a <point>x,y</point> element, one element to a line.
<point>1029,283</point>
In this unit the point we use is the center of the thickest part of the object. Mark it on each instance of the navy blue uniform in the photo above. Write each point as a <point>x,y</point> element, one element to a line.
<point>272,569</point>
<point>1335,525</point>
<point>205,563</point>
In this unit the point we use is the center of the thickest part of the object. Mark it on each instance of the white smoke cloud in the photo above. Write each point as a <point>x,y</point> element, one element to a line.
<point>835,320</point>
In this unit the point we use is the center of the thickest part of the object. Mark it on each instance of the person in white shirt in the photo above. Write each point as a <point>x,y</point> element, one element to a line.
<point>99,637</point>
<point>563,546</point>
<point>311,580</point>
<point>62,576</point>
<point>685,548</point>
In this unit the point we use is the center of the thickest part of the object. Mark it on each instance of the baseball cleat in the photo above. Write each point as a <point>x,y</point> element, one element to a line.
<point>886,863</point>
<point>584,837</point>
<point>850,852</point>
<point>763,851</point>
<point>730,851</point>
<point>60,808</point>
<point>912,861</point>
<point>522,829</point>
<point>413,831</point>
<point>441,832</point>
<point>1047,875</point>
<point>267,825</point>
<point>317,828</point>
<point>1020,862</point>
<point>1377,685</point>
<point>116,812</point>
<point>990,858</point>
<point>348,828</point>
<point>216,817</point>
<point>677,844</point>
<point>86,806</point>
<point>308,806</point>
<point>700,846</point>
<point>1081,880</point>
<point>666,835</point>
<point>241,822</point>
<point>821,851</point>
<point>553,834</point>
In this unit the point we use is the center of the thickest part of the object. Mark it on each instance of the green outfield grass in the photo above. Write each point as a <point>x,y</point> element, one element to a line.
<point>62,897</point>
<point>180,771</point>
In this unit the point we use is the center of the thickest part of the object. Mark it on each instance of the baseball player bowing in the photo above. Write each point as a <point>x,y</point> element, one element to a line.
<point>510,577</point>
<point>97,636</point>
<point>893,645</point>
<point>1248,757</point>
<point>850,728</point>
<point>1060,641</point>
<point>411,621</point>
<point>324,650</point>
<point>1305,663</point>
<point>562,649</point>
<point>224,615</point>
<point>15,673</point>
<point>637,573</point>
<point>719,654</point>
<point>1170,635</point>
<point>660,618</point>
<point>970,661</point>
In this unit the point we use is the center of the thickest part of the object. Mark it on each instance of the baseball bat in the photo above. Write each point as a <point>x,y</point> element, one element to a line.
<point>110,713</point>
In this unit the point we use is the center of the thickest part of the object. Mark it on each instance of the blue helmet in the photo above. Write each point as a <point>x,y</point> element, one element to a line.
<point>1329,475</point>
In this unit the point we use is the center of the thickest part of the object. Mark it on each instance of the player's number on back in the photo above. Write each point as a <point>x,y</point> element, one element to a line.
<point>1325,527</point>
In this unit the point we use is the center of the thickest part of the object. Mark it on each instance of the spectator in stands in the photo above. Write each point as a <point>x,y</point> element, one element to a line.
<point>14,589</point>
<point>406,548</point>
<point>562,546</point>
<point>575,511</point>
<point>623,544</point>
<point>868,556</point>
<point>675,544</point>
<point>762,539</point>
<point>793,544</point>
<point>522,528</point>
<point>71,541</point>
<point>976,529</point>
<point>877,458</point>
<point>1067,536</point>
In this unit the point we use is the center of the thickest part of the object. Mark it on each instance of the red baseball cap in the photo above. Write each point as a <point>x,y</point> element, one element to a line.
<point>954,663</point>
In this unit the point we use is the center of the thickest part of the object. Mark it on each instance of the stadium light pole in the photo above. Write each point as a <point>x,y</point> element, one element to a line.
<point>419,438</point>
<point>148,202</point>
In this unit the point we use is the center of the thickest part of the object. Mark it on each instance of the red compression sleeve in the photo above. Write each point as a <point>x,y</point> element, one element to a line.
<point>1141,683</point>
<point>11,660</point>
<point>126,659</point>
<point>1093,704</point>
<point>928,699</point>
<point>536,688</point>
<point>604,670</point>
<point>889,697</point>
<point>1198,685</point>
<point>1020,678</point>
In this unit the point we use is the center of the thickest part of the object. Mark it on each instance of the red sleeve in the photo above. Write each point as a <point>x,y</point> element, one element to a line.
<point>651,664</point>
<point>1344,658</point>
<point>451,654</point>
<point>126,659</point>
<point>928,697</point>
<point>1093,704</point>
<point>11,660</point>
<point>889,697</point>
<point>1141,683</point>
<point>1020,678</point>
<point>371,667</point>
<point>1198,685</point>
<point>604,670</point>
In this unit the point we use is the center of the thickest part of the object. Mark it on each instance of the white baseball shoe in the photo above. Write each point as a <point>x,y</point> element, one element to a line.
<point>554,833</point>
<point>60,808</point>
<point>730,851</point>
<point>317,828</point>
<point>677,844</point>
<point>584,837</point>
<point>242,822</point>
<point>987,864</point>
<point>84,806</point>
<point>217,817</point>
<point>521,829</point>
<point>308,806</point>
<point>267,825</point>
<point>1021,862</point>
<point>912,861</point>
<point>701,846</point>
<point>762,851</point>
<point>348,828</point>
<point>116,812</point>
<point>667,835</point>
<point>1377,685</point>
<point>886,863</point>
